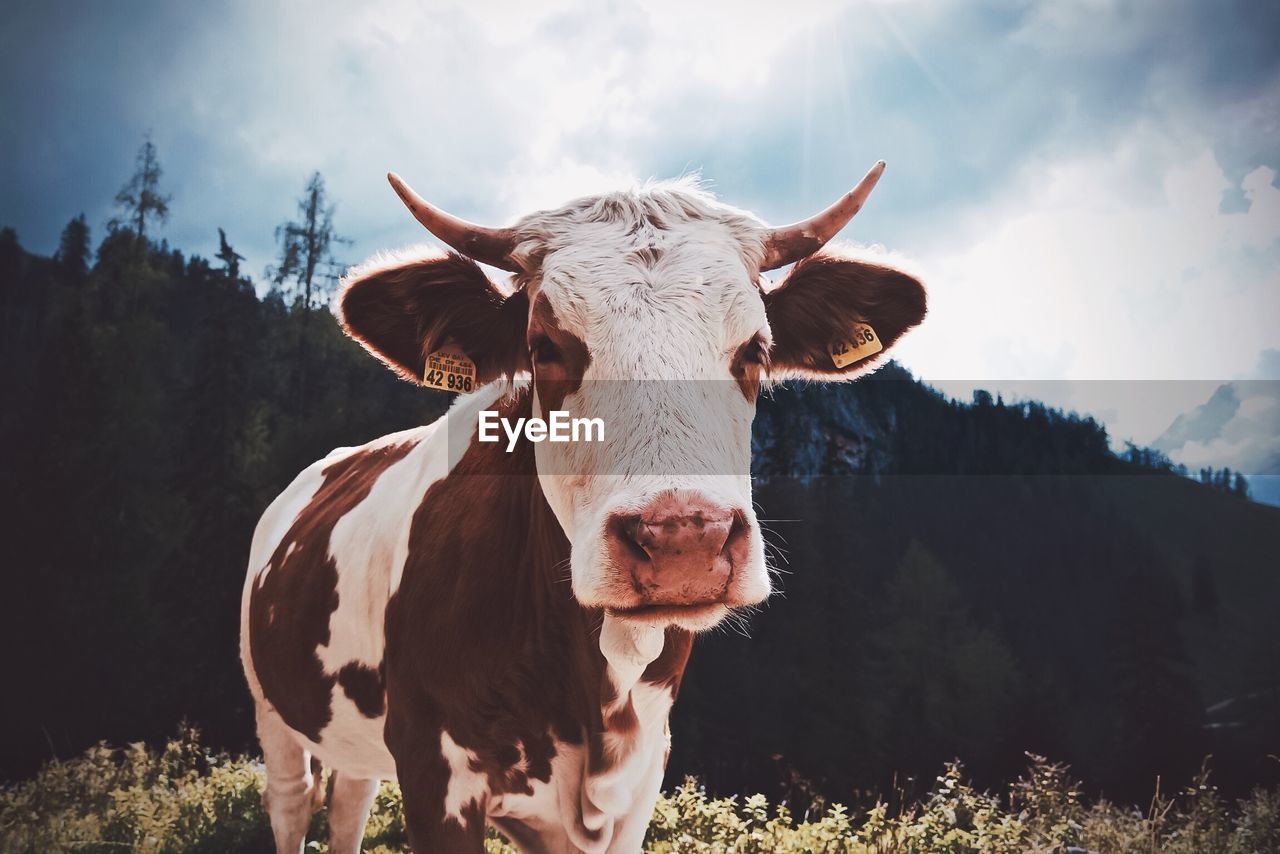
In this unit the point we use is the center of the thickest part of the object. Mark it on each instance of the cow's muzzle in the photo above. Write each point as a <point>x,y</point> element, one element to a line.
<point>682,550</point>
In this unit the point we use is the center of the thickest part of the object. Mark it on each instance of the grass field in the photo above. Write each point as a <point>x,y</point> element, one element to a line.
<point>182,798</point>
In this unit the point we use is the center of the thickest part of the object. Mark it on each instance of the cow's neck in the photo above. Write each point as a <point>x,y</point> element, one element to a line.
<point>626,762</point>
<point>627,675</point>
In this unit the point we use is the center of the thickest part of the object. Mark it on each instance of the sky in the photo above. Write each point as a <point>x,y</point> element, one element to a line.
<point>1088,188</point>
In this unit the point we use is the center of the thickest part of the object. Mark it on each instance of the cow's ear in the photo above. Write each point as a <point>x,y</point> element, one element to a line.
<point>404,309</point>
<point>834,317</point>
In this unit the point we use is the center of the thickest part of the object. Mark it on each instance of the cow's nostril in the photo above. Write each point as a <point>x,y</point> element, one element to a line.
<point>738,544</point>
<point>629,531</point>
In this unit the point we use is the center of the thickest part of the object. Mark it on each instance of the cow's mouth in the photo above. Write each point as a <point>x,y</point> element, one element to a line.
<point>695,617</point>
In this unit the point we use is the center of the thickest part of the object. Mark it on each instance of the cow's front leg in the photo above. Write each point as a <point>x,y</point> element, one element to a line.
<point>444,800</point>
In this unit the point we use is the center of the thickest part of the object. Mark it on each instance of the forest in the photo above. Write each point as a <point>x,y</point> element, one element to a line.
<point>968,580</point>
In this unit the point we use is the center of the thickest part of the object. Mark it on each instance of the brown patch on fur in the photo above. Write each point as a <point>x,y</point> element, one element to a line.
<point>668,668</point>
<point>818,303</point>
<point>599,759</point>
<point>622,720</point>
<point>559,357</point>
<point>293,598</point>
<point>647,256</point>
<point>484,639</point>
<point>402,313</point>
<point>364,686</point>
<point>501,773</point>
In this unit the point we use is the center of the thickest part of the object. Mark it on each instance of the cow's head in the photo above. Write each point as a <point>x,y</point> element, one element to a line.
<point>646,309</point>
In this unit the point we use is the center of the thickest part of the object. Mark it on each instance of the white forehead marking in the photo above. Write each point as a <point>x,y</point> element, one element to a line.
<point>663,262</point>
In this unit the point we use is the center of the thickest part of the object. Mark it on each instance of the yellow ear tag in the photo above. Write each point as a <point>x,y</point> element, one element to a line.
<point>864,343</point>
<point>449,369</point>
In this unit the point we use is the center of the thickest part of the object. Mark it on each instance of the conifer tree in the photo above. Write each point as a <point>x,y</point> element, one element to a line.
<point>73,247</point>
<point>307,262</point>
<point>229,257</point>
<point>140,199</point>
<point>306,246</point>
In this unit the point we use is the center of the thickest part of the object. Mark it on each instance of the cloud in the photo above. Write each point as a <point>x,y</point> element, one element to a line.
<point>1268,365</point>
<point>1112,283</point>
<point>1060,170</point>
<point>1239,427</point>
<point>1088,270</point>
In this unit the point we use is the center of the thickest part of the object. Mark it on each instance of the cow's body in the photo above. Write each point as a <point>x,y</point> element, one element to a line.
<point>495,683</point>
<point>504,630</point>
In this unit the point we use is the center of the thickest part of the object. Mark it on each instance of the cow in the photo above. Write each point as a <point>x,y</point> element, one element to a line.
<point>503,627</point>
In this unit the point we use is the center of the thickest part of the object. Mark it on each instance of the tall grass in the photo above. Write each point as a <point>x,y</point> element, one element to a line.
<point>182,798</point>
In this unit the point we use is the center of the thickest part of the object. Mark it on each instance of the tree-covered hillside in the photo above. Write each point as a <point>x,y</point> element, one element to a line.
<point>978,580</point>
<point>152,409</point>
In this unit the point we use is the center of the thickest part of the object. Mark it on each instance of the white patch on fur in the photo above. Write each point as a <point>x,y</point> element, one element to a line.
<point>635,783</point>
<point>466,787</point>
<point>370,546</point>
<point>363,546</point>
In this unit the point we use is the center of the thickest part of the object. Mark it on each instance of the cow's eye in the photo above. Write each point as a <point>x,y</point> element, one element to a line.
<point>750,359</point>
<point>544,350</point>
<point>752,352</point>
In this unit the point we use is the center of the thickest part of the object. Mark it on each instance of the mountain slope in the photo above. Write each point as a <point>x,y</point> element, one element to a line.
<point>982,580</point>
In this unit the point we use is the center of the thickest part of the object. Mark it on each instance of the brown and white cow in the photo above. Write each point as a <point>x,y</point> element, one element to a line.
<point>504,631</point>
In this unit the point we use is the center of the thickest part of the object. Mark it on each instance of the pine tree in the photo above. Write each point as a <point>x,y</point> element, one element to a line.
<point>306,246</point>
<point>228,256</point>
<point>140,199</point>
<point>73,248</point>
<point>1241,486</point>
<point>306,260</point>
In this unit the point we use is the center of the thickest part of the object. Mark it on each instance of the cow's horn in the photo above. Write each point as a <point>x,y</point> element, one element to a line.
<point>790,243</point>
<point>492,246</point>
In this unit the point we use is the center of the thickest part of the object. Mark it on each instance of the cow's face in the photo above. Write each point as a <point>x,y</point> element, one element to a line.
<point>646,310</point>
<point>661,333</point>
